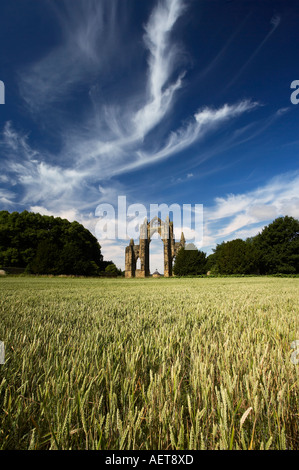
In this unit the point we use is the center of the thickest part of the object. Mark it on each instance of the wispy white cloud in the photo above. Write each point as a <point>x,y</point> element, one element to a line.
<point>110,141</point>
<point>4,179</point>
<point>71,215</point>
<point>7,198</point>
<point>164,58</point>
<point>16,143</point>
<point>87,40</point>
<point>204,121</point>
<point>244,215</point>
<point>46,184</point>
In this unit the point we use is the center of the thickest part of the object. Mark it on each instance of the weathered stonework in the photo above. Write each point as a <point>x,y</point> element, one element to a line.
<point>147,230</point>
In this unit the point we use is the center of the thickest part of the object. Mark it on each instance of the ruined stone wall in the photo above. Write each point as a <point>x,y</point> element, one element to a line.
<point>133,252</point>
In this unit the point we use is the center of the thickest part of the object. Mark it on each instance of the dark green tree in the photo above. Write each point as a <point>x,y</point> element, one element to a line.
<point>46,259</point>
<point>48,245</point>
<point>211,264</point>
<point>278,246</point>
<point>112,270</point>
<point>189,262</point>
<point>235,257</point>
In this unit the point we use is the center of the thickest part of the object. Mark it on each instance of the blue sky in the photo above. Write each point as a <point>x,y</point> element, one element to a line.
<point>171,101</point>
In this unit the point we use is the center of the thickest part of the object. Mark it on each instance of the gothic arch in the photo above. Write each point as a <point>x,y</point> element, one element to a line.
<point>147,230</point>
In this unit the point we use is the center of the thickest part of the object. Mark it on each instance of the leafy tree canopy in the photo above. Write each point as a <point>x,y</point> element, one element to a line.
<point>48,245</point>
<point>278,246</point>
<point>235,257</point>
<point>111,270</point>
<point>189,261</point>
<point>274,250</point>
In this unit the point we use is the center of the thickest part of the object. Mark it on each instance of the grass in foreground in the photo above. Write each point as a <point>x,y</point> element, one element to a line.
<point>149,364</point>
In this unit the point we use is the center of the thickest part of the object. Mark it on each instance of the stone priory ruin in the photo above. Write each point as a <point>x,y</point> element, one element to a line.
<point>147,230</point>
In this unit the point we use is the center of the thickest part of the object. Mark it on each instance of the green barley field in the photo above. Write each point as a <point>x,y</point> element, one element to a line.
<point>160,364</point>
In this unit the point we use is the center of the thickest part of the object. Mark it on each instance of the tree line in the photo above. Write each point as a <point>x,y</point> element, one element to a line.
<point>274,250</point>
<point>42,244</point>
